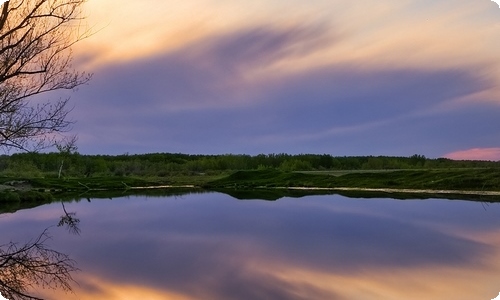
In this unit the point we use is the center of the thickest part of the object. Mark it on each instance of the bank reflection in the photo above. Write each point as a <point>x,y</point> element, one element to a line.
<point>327,247</point>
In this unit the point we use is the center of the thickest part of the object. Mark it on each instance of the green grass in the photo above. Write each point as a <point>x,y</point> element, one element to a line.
<point>77,184</point>
<point>453,179</point>
<point>436,179</point>
<point>243,184</point>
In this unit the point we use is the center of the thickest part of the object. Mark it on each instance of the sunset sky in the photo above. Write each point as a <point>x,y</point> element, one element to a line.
<point>389,77</point>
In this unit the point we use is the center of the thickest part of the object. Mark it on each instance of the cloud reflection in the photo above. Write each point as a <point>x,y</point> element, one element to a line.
<point>211,246</point>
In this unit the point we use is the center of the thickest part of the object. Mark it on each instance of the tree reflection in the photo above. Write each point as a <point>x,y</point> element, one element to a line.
<point>33,264</point>
<point>22,267</point>
<point>70,220</point>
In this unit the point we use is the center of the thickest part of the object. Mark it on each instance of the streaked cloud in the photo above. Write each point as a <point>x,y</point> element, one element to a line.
<point>281,76</point>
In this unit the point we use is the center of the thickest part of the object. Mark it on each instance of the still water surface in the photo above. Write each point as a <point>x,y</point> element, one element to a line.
<point>212,246</point>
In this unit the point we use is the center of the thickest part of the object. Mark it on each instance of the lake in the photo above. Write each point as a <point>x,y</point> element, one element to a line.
<point>213,246</point>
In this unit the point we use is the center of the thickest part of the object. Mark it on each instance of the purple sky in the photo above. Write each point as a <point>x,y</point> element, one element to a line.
<point>326,76</point>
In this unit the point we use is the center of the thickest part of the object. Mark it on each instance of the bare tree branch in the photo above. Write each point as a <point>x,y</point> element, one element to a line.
<point>3,16</point>
<point>36,37</point>
<point>33,264</point>
<point>70,220</point>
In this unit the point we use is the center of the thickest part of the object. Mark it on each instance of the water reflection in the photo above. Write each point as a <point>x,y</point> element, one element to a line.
<point>210,246</point>
<point>69,220</point>
<point>33,264</point>
<point>24,267</point>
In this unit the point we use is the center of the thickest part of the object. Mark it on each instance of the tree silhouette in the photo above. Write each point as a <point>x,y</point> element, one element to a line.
<point>36,37</point>
<point>70,220</point>
<point>33,264</point>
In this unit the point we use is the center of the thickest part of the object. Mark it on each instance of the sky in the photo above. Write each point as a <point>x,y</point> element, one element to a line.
<point>390,77</point>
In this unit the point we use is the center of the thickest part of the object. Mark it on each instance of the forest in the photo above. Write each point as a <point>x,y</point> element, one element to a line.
<point>75,165</point>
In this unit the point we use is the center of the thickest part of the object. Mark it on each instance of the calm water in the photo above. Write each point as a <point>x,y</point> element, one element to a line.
<point>212,246</point>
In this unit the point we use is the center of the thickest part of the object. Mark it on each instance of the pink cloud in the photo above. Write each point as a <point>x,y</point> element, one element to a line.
<point>476,154</point>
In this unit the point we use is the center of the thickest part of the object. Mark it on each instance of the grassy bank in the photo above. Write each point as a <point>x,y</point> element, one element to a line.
<point>452,179</point>
<point>22,192</point>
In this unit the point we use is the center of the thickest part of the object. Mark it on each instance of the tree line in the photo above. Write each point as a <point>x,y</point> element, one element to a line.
<point>168,164</point>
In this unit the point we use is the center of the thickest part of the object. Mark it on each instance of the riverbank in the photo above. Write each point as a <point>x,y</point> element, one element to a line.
<point>483,182</point>
<point>452,179</point>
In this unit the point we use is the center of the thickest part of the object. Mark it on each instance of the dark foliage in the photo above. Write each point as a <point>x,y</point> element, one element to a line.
<point>168,164</point>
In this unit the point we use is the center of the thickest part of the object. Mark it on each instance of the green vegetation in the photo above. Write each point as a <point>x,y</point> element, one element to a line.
<point>11,201</point>
<point>164,165</point>
<point>467,184</point>
<point>34,177</point>
<point>448,179</point>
